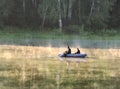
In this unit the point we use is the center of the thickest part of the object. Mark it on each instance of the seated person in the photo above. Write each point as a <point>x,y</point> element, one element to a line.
<point>78,51</point>
<point>69,51</point>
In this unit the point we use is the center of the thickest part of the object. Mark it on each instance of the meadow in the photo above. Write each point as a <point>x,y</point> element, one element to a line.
<point>39,67</point>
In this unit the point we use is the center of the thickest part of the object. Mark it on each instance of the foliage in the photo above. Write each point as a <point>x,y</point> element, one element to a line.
<point>93,14</point>
<point>16,35</point>
<point>115,15</point>
<point>72,29</point>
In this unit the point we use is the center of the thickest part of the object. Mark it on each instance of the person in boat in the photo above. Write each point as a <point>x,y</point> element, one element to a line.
<point>69,51</point>
<point>78,51</point>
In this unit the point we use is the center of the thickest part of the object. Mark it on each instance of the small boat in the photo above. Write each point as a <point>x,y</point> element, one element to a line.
<point>73,55</point>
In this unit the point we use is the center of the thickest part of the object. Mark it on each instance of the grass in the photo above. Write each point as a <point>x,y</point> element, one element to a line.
<point>13,33</point>
<point>38,67</point>
<point>25,67</point>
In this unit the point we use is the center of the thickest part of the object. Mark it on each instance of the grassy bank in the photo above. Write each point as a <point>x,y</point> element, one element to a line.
<point>39,33</point>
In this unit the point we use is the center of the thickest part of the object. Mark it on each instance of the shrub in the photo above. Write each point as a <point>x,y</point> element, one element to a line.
<point>72,29</point>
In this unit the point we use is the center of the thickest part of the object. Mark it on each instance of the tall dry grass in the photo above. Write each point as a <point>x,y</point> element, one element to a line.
<point>12,51</point>
<point>46,73</point>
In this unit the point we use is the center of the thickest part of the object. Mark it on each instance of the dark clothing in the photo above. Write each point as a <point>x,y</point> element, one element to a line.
<point>69,51</point>
<point>78,51</point>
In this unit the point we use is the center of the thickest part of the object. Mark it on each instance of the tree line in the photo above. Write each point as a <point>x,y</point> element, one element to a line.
<point>94,14</point>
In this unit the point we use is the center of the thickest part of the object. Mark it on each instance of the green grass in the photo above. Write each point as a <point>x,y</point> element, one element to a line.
<point>38,33</point>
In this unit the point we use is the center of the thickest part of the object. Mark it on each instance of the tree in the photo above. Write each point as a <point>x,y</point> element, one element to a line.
<point>59,12</point>
<point>114,20</point>
<point>6,7</point>
<point>52,11</point>
<point>98,14</point>
<point>48,11</point>
<point>94,14</point>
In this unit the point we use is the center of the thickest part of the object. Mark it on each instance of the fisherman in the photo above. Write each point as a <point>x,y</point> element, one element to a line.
<point>69,51</point>
<point>78,51</point>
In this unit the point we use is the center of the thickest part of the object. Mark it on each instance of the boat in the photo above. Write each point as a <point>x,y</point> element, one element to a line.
<point>73,55</point>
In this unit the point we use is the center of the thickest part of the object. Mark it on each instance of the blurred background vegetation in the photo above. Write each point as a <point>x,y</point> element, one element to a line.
<point>68,16</point>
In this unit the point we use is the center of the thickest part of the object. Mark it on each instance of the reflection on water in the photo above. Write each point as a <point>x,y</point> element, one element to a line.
<point>72,59</point>
<point>27,67</point>
<point>103,44</point>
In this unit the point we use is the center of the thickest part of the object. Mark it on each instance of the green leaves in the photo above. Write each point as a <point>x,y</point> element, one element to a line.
<point>95,14</point>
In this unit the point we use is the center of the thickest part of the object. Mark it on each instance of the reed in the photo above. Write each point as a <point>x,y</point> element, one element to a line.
<point>12,51</point>
<point>31,67</point>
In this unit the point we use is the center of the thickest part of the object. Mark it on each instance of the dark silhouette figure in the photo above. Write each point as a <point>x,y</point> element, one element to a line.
<point>68,51</point>
<point>78,51</point>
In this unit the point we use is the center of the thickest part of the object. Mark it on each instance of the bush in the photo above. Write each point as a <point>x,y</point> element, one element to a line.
<point>72,29</point>
<point>111,32</point>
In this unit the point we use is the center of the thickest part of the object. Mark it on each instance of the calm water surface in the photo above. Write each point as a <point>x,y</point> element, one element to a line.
<point>62,43</point>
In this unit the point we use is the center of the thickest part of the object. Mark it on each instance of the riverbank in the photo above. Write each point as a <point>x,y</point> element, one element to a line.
<point>54,38</point>
<point>15,33</point>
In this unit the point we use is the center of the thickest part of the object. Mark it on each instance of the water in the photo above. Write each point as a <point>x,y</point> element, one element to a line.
<point>39,67</point>
<point>62,43</point>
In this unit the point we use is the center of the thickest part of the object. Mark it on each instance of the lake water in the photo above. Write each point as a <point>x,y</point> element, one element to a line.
<point>61,42</point>
<point>38,66</point>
